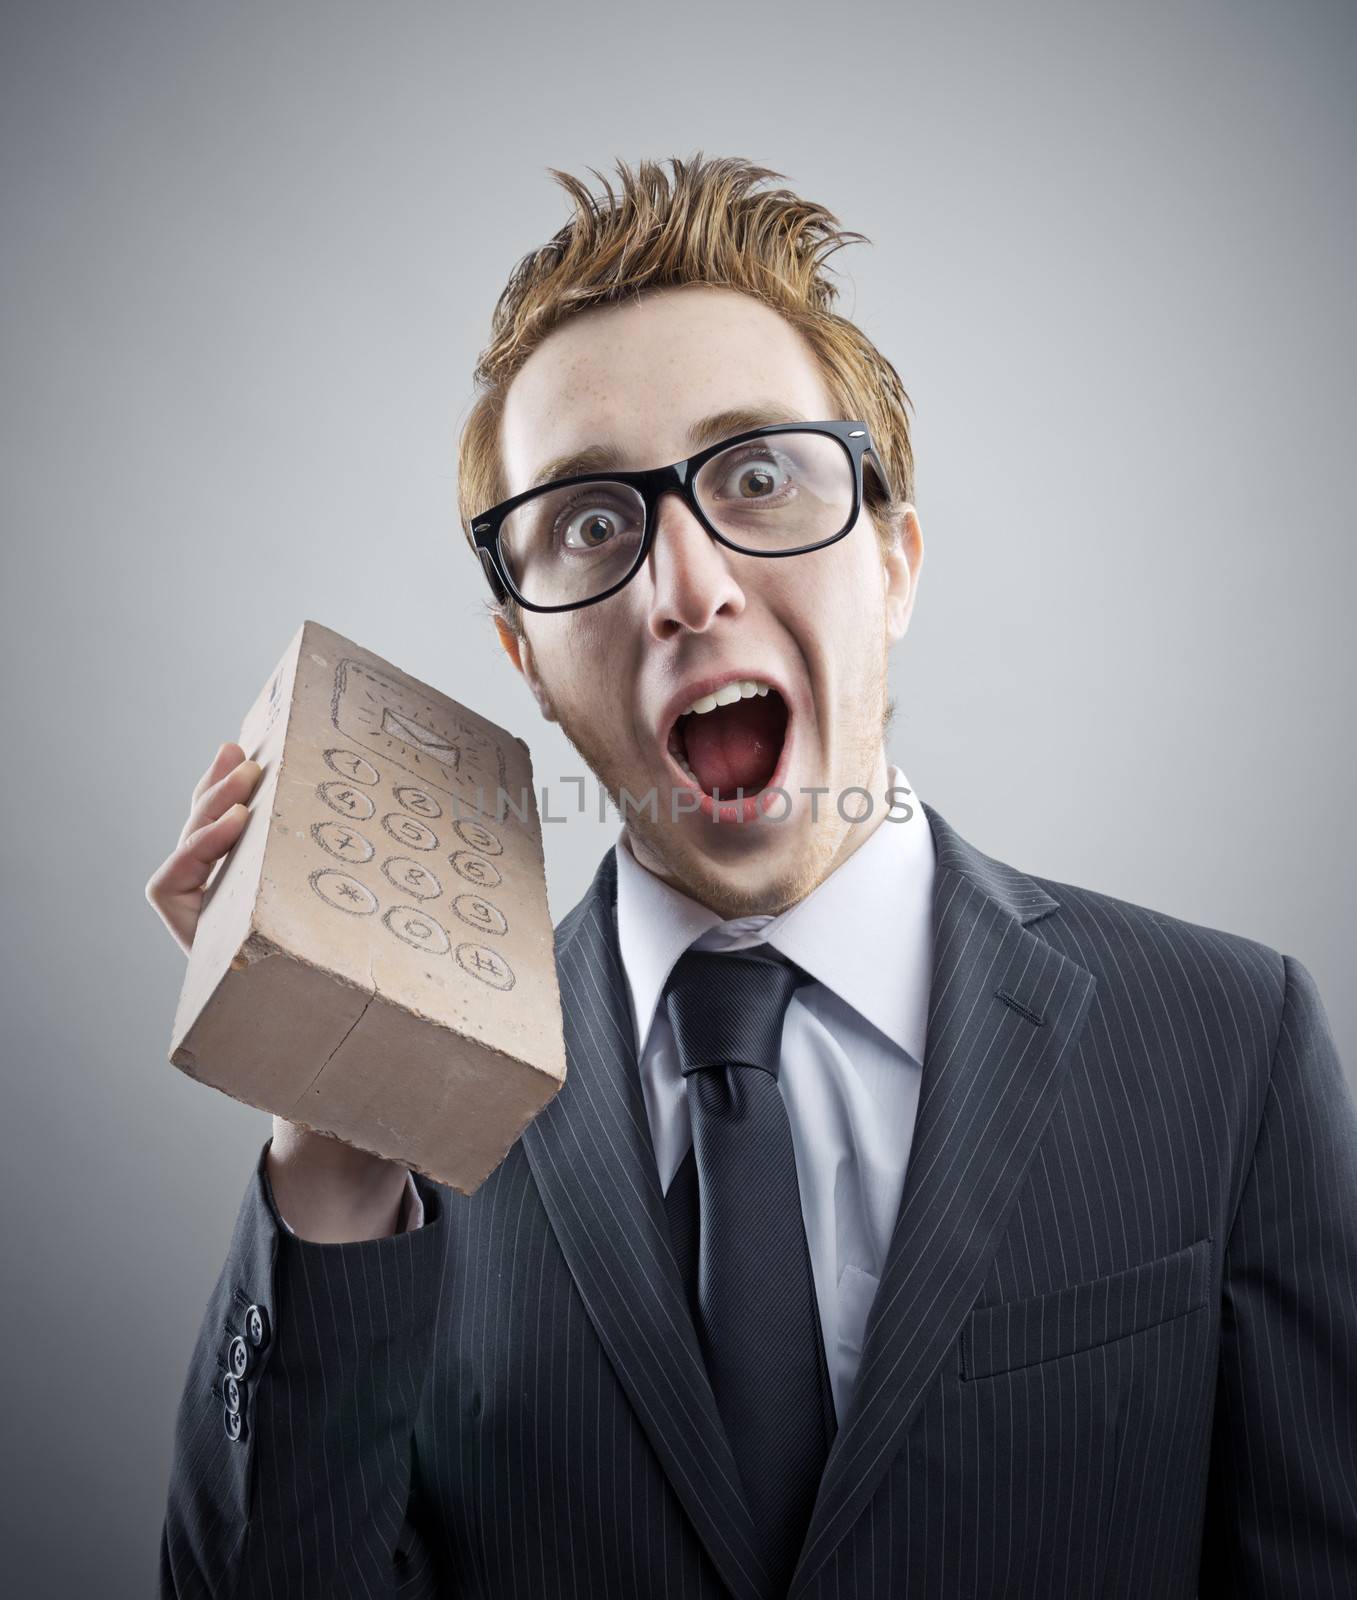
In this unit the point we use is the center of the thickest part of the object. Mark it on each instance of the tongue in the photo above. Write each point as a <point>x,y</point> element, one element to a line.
<point>736,746</point>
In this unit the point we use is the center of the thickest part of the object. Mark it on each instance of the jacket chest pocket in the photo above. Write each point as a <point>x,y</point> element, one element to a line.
<point>1020,1333</point>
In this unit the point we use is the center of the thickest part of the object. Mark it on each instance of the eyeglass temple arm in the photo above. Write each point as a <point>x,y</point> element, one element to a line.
<point>497,588</point>
<point>869,455</point>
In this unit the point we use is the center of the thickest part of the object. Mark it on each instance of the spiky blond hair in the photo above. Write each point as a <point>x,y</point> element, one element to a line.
<point>706,221</point>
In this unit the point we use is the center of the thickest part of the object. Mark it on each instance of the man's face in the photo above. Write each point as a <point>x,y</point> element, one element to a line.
<point>817,627</point>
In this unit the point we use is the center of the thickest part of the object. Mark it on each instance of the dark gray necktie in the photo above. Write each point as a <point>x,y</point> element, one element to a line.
<point>748,1269</point>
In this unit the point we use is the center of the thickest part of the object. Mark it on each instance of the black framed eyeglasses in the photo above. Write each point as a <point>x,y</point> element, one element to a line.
<point>781,490</point>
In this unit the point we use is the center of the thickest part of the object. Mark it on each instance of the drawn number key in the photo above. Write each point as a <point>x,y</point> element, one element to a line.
<point>349,764</point>
<point>476,869</point>
<point>420,802</point>
<point>480,913</point>
<point>346,843</point>
<point>414,835</point>
<point>479,837</point>
<point>417,928</point>
<point>415,879</point>
<point>347,800</point>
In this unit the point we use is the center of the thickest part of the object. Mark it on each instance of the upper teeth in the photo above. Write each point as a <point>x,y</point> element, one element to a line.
<point>740,689</point>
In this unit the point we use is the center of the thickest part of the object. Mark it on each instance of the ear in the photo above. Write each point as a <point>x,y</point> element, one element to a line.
<point>519,651</point>
<point>509,639</point>
<point>901,561</point>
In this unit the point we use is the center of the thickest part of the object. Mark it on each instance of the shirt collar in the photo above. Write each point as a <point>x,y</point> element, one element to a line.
<point>865,931</point>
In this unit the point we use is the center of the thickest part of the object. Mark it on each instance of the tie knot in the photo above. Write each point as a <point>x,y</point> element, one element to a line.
<point>726,1007</point>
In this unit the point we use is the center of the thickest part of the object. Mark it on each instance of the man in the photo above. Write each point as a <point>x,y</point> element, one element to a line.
<point>907,1223</point>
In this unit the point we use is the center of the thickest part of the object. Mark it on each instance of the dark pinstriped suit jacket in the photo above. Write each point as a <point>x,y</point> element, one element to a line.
<point>1114,1350</point>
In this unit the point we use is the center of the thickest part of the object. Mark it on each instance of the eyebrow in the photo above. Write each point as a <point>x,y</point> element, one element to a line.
<point>606,455</point>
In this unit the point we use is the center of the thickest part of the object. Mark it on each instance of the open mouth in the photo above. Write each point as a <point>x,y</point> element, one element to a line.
<point>736,746</point>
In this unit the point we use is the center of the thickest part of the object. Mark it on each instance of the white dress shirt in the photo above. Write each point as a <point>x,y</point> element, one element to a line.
<point>852,1046</point>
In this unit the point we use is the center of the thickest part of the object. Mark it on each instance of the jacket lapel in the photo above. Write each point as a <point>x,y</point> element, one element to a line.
<point>1004,1012</point>
<point>593,1161</point>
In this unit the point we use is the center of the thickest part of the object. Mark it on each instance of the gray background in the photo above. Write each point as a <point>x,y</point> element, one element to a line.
<point>249,255</point>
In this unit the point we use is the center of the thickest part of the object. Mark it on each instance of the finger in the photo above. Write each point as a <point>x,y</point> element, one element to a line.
<point>176,888</point>
<point>191,864</point>
<point>235,788</point>
<point>227,757</point>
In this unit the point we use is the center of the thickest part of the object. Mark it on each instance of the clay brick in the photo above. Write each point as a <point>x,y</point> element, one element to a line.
<point>375,957</point>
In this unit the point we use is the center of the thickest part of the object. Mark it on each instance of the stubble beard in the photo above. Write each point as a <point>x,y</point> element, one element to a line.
<point>827,836</point>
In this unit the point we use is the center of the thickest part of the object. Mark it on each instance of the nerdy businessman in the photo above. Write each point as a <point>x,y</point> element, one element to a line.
<point>908,1224</point>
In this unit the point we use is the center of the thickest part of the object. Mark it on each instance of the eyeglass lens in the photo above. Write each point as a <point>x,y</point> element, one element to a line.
<point>782,492</point>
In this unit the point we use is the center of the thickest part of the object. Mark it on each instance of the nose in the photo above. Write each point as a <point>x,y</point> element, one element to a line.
<point>691,582</point>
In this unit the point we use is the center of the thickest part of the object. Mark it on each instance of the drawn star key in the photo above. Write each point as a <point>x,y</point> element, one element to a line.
<point>344,893</point>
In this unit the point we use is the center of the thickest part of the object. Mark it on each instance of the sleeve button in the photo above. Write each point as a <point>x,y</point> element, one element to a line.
<point>238,1357</point>
<point>234,1422</point>
<point>257,1326</point>
<point>233,1391</point>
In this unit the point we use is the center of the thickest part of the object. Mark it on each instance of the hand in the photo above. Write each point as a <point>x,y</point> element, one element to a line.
<point>328,1191</point>
<point>216,819</point>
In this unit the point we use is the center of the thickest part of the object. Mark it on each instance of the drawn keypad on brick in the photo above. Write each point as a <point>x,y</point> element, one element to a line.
<point>415,926</point>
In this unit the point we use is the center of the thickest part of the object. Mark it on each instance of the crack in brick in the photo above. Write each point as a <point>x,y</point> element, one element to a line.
<point>314,1081</point>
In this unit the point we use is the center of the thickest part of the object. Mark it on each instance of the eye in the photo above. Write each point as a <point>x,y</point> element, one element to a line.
<point>592,525</point>
<point>589,530</point>
<point>758,474</point>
